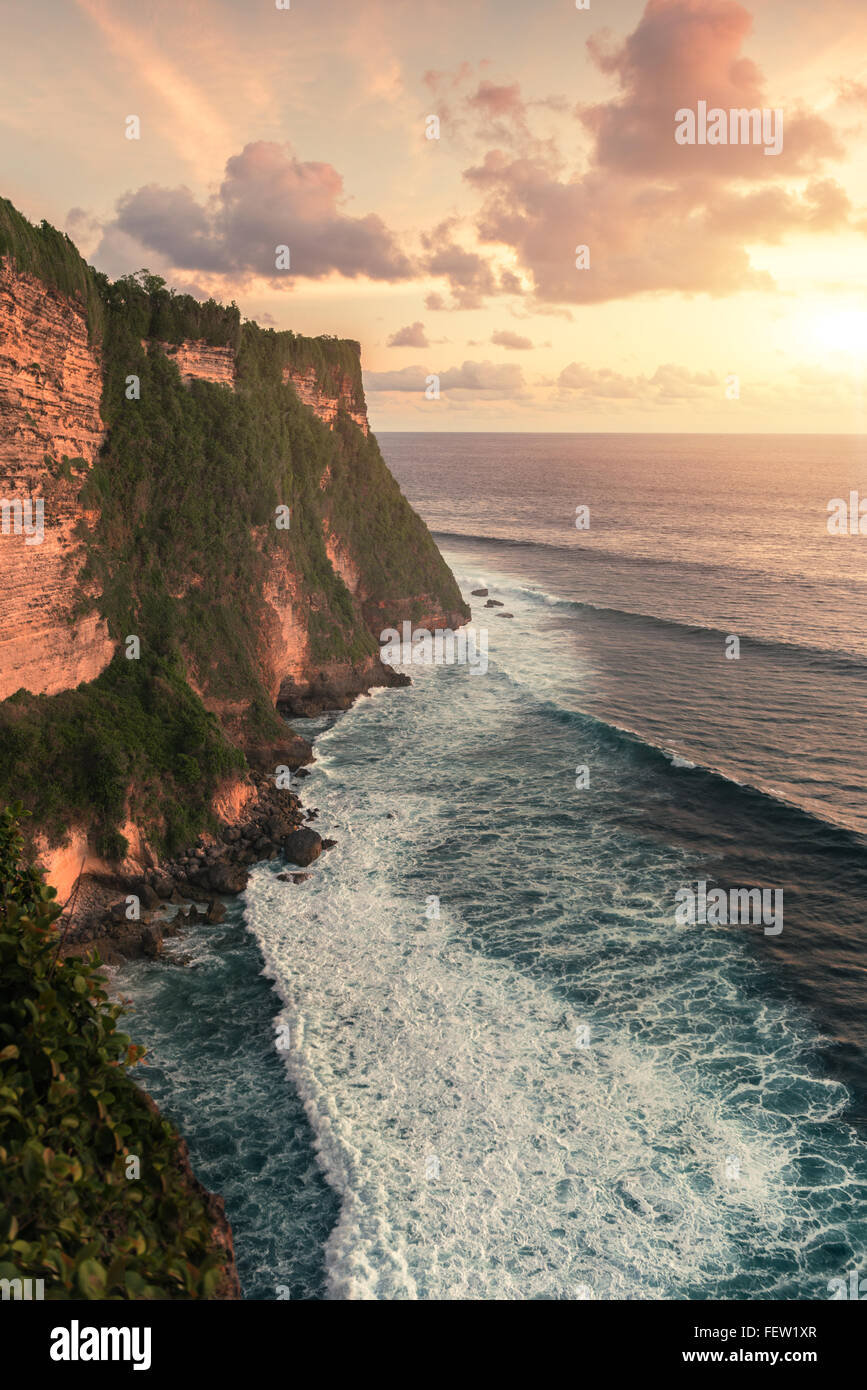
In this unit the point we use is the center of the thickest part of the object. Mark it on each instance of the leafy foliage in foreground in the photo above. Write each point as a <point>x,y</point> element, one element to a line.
<point>70,1115</point>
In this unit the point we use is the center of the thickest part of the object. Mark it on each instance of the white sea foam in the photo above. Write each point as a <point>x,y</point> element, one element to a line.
<point>555,1165</point>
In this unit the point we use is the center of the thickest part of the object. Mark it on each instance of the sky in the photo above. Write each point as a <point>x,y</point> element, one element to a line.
<point>433,169</point>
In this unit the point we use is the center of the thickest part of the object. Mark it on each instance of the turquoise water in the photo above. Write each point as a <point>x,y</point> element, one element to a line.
<point>505,1071</point>
<point>207,1020</point>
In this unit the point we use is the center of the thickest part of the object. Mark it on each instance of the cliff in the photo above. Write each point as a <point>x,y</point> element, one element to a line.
<point>326,399</point>
<point>221,535</point>
<point>50,433</point>
<point>325,394</point>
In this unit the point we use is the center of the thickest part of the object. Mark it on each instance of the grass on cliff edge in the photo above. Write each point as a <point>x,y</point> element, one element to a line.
<point>71,1119</point>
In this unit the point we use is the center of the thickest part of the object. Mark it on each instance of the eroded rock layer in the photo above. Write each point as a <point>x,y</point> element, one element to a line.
<point>50,389</point>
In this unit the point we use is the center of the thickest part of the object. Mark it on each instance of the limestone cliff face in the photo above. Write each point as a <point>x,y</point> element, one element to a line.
<point>342,562</point>
<point>50,388</point>
<point>325,401</point>
<point>201,362</point>
<point>299,684</point>
<point>197,361</point>
<point>285,644</point>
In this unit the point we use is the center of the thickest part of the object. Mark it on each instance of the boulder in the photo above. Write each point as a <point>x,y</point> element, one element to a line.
<point>493,603</point>
<point>163,885</point>
<point>228,878</point>
<point>216,911</point>
<point>479,593</point>
<point>302,847</point>
<point>151,941</point>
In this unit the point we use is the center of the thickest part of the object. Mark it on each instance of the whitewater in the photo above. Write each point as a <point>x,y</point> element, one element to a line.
<point>547,1090</point>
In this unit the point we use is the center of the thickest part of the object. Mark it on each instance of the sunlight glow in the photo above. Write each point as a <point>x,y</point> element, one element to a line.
<point>845,331</point>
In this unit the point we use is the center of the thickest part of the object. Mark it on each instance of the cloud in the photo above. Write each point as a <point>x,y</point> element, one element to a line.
<point>641,238</point>
<point>853,92</point>
<point>84,229</point>
<point>668,384</point>
<point>473,108</point>
<point>470,275</point>
<point>682,52</point>
<point>406,379</point>
<point>657,216</point>
<point>767,214</point>
<point>486,380</point>
<point>483,376</point>
<point>498,101</point>
<point>514,341</point>
<point>268,198</point>
<point>413,335</point>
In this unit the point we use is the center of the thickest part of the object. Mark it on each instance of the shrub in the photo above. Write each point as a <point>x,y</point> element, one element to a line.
<point>71,1118</point>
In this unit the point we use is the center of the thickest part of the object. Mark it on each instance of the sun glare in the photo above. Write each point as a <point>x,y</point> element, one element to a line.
<point>844,331</point>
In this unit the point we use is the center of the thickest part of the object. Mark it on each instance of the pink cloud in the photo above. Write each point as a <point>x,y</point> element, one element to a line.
<point>413,335</point>
<point>658,216</point>
<point>268,198</point>
<point>682,52</point>
<point>514,341</point>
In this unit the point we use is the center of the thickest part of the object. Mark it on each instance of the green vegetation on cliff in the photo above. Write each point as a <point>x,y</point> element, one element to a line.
<point>334,360</point>
<point>149,309</point>
<point>76,1209</point>
<point>187,489</point>
<point>51,256</point>
<point>136,736</point>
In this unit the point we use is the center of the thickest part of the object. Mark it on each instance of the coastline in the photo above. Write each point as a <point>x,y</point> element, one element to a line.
<point>196,884</point>
<point>201,878</point>
<point>194,888</point>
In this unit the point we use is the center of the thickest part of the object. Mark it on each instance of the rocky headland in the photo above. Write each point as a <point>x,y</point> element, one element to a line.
<point>200,539</point>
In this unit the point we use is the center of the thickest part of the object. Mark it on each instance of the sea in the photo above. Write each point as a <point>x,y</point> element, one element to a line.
<point>476,1055</point>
